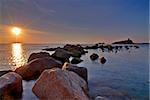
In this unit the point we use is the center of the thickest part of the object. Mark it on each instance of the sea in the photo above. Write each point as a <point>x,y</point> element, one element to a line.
<point>124,76</point>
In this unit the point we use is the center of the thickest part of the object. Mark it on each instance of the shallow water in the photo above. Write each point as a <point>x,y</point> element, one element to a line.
<point>125,74</point>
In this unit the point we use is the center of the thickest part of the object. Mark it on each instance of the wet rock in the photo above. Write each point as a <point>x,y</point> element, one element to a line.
<point>116,47</point>
<point>103,60</point>
<point>109,47</point>
<point>92,47</point>
<point>50,49</point>
<point>136,46</point>
<point>76,60</point>
<point>38,55</point>
<point>62,55</point>
<point>94,56</point>
<point>81,71</point>
<point>120,47</point>
<point>4,72</point>
<point>127,48</point>
<point>34,68</point>
<point>10,86</point>
<point>76,50</point>
<point>102,48</point>
<point>57,84</point>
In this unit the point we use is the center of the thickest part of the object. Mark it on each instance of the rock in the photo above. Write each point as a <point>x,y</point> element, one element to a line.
<point>34,68</point>
<point>76,50</point>
<point>4,72</point>
<point>136,46</point>
<point>76,60</point>
<point>102,48</point>
<point>62,55</point>
<point>94,56</point>
<point>10,86</point>
<point>57,84</point>
<point>50,49</point>
<point>38,55</point>
<point>92,47</point>
<point>127,48</point>
<point>124,42</point>
<point>103,60</point>
<point>81,71</point>
<point>109,47</point>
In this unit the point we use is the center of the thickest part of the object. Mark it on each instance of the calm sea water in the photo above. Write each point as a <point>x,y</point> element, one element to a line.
<point>125,72</point>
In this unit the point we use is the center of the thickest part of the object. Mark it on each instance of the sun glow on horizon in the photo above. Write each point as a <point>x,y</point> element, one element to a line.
<point>16,30</point>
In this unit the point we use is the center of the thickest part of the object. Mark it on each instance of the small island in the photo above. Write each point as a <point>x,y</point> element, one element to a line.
<point>129,41</point>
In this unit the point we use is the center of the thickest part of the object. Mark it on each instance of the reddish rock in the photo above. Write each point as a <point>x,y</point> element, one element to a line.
<point>10,86</point>
<point>38,55</point>
<point>5,72</point>
<point>57,84</point>
<point>81,71</point>
<point>34,68</point>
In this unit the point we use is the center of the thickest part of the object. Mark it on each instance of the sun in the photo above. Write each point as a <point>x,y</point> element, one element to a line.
<point>16,30</point>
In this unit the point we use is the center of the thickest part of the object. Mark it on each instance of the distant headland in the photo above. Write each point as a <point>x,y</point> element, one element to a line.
<point>128,41</point>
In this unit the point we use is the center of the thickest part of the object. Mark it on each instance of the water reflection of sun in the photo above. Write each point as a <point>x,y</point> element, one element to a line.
<point>18,58</point>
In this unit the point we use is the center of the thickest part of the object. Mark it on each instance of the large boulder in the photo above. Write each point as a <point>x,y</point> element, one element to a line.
<point>10,86</point>
<point>57,84</point>
<point>81,71</point>
<point>76,50</point>
<point>61,55</point>
<point>76,60</point>
<point>38,55</point>
<point>33,69</point>
<point>94,56</point>
<point>4,72</point>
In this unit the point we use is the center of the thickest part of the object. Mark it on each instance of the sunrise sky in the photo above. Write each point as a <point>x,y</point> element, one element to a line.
<point>74,21</point>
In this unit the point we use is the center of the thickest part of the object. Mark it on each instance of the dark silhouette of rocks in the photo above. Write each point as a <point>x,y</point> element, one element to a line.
<point>61,55</point>
<point>127,47</point>
<point>76,50</point>
<point>124,42</point>
<point>76,60</point>
<point>92,47</point>
<point>136,46</point>
<point>94,56</point>
<point>50,49</point>
<point>109,47</point>
<point>103,60</point>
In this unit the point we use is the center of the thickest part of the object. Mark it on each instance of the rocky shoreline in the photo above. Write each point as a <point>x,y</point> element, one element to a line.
<point>56,76</point>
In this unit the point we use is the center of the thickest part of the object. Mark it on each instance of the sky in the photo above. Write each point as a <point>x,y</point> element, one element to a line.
<point>74,21</point>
